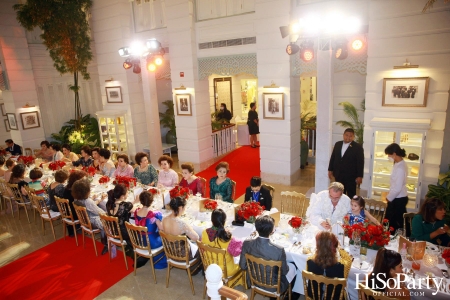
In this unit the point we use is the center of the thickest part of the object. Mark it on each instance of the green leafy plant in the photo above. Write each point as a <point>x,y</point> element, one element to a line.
<point>442,191</point>
<point>65,33</point>
<point>355,123</point>
<point>167,118</point>
<point>216,124</point>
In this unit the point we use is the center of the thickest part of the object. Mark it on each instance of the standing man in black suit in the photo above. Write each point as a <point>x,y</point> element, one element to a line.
<point>347,163</point>
<point>258,193</point>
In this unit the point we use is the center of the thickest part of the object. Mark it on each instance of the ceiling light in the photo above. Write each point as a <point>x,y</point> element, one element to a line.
<point>307,51</point>
<point>137,69</point>
<point>341,49</point>
<point>292,48</point>
<point>158,60</point>
<point>357,44</point>
<point>127,64</point>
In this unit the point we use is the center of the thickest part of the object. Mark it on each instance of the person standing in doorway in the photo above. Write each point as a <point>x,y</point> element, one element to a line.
<point>253,124</point>
<point>347,163</point>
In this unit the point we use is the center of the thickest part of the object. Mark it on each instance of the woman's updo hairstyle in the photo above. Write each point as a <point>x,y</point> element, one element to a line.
<point>176,203</point>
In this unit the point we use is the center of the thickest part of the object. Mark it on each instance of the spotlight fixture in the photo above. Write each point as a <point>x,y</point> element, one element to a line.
<point>307,51</point>
<point>151,67</point>
<point>137,69</point>
<point>127,64</point>
<point>153,45</point>
<point>124,52</point>
<point>158,60</point>
<point>357,44</point>
<point>341,49</point>
<point>292,48</point>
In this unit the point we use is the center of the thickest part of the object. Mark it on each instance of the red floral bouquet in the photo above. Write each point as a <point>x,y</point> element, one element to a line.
<point>125,180</point>
<point>103,180</point>
<point>179,191</point>
<point>373,235</point>
<point>26,160</point>
<point>446,256</point>
<point>56,165</point>
<point>295,222</point>
<point>3,152</point>
<point>210,204</point>
<point>90,170</point>
<point>153,191</point>
<point>250,210</point>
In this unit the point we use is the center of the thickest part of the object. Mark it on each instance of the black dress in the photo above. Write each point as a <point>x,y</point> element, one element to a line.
<point>334,271</point>
<point>253,128</point>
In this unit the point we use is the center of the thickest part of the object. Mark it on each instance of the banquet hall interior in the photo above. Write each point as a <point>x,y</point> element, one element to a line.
<point>159,71</point>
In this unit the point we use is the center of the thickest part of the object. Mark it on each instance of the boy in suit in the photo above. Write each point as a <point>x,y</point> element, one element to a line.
<point>258,193</point>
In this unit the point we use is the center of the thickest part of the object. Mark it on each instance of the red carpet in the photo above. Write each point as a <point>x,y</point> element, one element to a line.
<point>244,164</point>
<point>62,270</point>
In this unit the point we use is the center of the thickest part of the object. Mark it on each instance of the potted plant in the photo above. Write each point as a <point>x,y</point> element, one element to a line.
<point>167,120</point>
<point>354,123</point>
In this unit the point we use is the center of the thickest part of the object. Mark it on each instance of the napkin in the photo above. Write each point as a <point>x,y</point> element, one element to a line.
<point>193,247</point>
<point>137,191</point>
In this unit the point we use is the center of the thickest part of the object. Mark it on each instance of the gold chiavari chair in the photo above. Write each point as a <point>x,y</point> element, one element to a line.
<point>271,190</point>
<point>45,213</point>
<point>86,225</point>
<point>233,190</point>
<point>366,293</point>
<point>329,289</point>
<point>114,235</point>
<point>180,177</point>
<point>203,184</point>
<point>21,200</point>
<point>67,216</point>
<point>407,220</point>
<point>294,203</point>
<point>6,195</point>
<point>376,208</point>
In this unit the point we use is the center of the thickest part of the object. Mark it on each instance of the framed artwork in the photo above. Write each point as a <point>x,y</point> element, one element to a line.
<point>183,104</point>
<point>12,121</point>
<point>406,92</point>
<point>273,106</point>
<point>30,120</point>
<point>113,94</point>
<point>2,107</point>
<point>7,125</point>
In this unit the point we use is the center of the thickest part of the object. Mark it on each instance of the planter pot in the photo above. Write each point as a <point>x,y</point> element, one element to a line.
<point>171,138</point>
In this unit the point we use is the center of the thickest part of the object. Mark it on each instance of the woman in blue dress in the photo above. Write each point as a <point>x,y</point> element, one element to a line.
<point>221,184</point>
<point>151,220</point>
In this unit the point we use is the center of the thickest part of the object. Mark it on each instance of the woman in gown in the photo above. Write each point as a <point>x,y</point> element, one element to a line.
<point>221,184</point>
<point>144,172</point>
<point>189,180</point>
<point>253,124</point>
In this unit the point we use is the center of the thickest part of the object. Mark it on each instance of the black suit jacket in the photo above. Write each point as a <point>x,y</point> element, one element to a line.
<point>15,150</point>
<point>351,165</point>
<point>264,197</point>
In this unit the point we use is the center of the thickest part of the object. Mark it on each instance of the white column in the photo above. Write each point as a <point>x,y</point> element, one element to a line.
<point>324,117</point>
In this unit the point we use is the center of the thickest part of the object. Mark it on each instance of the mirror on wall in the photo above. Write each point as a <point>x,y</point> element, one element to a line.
<point>223,93</point>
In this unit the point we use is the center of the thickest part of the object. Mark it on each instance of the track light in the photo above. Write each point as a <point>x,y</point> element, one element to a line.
<point>341,49</point>
<point>307,51</point>
<point>137,69</point>
<point>158,60</point>
<point>292,48</point>
<point>151,67</point>
<point>357,44</point>
<point>127,64</point>
<point>124,52</point>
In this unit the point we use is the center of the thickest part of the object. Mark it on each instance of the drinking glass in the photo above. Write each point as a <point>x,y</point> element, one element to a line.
<point>216,197</point>
<point>356,235</point>
<point>357,247</point>
<point>398,233</point>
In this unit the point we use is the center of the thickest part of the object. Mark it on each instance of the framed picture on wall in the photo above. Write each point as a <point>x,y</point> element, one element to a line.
<point>406,92</point>
<point>183,104</point>
<point>113,94</point>
<point>273,106</point>
<point>7,125</point>
<point>2,108</point>
<point>30,120</point>
<point>12,121</point>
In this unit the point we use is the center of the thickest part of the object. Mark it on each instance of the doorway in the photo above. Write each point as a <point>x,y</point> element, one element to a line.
<point>223,93</point>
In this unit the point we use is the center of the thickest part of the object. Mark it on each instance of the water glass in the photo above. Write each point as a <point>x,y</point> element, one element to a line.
<point>216,197</point>
<point>357,247</point>
<point>398,233</point>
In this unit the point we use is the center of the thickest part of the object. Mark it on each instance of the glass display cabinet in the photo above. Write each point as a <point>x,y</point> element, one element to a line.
<point>381,169</point>
<point>113,131</point>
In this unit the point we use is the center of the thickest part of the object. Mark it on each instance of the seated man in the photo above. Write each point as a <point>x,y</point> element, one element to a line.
<point>262,247</point>
<point>258,193</point>
<point>330,204</point>
<point>12,148</point>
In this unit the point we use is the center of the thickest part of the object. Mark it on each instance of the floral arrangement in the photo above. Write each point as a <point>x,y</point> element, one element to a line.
<point>210,204</point>
<point>56,165</point>
<point>103,180</point>
<point>446,256</point>
<point>295,222</point>
<point>371,234</point>
<point>153,191</point>
<point>3,152</point>
<point>179,191</point>
<point>250,210</point>
<point>125,180</point>
<point>27,160</point>
<point>90,170</point>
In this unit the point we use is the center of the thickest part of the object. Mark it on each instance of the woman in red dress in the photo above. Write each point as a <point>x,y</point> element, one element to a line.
<point>189,180</point>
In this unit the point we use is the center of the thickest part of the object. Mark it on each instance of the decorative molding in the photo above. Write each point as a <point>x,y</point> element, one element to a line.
<point>422,124</point>
<point>163,72</point>
<point>227,65</point>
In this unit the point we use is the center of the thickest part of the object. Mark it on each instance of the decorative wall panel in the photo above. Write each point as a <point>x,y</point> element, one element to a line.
<point>227,65</point>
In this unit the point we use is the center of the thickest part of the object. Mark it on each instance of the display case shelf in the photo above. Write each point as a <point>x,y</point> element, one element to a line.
<point>114,131</point>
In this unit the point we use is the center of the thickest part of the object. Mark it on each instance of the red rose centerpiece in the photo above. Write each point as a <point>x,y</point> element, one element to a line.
<point>446,257</point>
<point>249,211</point>
<point>26,160</point>
<point>372,236</point>
<point>179,191</point>
<point>296,224</point>
<point>89,170</point>
<point>56,165</point>
<point>210,205</point>
<point>103,180</point>
<point>125,180</point>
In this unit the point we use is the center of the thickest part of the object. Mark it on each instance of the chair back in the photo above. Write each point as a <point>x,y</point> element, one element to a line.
<point>111,227</point>
<point>211,255</point>
<point>294,203</point>
<point>139,237</point>
<point>16,192</point>
<point>265,274</point>
<point>36,151</point>
<point>233,190</point>
<point>407,220</point>
<point>4,189</point>
<point>176,247</point>
<point>322,293</point>
<point>180,177</point>
<point>83,216</point>
<point>203,184</point>
<point>371,294</point>
<point>28,152</point>
<point>376,208</point>
<point>271,190</point>
<point>232,294</point>
<point>39,204</point>
<point>64,208</point>
<point>346,259</point>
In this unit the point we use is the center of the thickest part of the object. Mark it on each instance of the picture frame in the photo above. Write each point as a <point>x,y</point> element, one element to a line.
<point>7,125</point>
<point>405,92</point>
<point>273,106</point>
<point>3,109</point>
<point>183,104</point>
<point>12,121</point>
<point>114,94</point>
<point>30,120</point>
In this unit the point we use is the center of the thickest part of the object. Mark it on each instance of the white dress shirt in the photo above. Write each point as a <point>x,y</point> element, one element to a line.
<point>58,156</point>
<point>344,148</point>
<point>321,208</point>
<point>398,181</point>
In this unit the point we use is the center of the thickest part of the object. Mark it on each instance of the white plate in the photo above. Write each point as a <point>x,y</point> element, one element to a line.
<point>357,264</point>
<point>199,223</point>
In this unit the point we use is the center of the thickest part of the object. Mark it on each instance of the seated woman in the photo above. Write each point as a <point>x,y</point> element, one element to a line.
<point>174,225</point>
<point>388,266</point>
<point>81,190</point>
<point>56,188</point>
<point>45,153</point>
<point>107,167</point>
<point>358,214</point>
<point>17,177</point>
<point>37,185</point>
<point>220,184</point>
<point>257,192</point>
<point>325,262</point>
<point>96,157</point>
<point>123,167</point>
<point>429,224</point>
<point>9,164</point>
<point>152,220</point>
<point>55,150</point>
<point>2,163</point>
<point>67,194</point>
<point>218,237</point>
<point>167,177</point>
<point>68,155</point>
<point>189,180</point>
<point>85,160</point>
<point>144,172</point>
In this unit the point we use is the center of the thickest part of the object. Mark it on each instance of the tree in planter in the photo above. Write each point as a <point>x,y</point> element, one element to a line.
<point>167,120</point>
<point>65,33</point>
<point>358,126</point>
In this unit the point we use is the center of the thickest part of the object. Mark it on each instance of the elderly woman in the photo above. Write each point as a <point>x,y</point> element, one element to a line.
<point>86,159</point>
<point>55,149</point>
<point>96,157</point>
<point>45,153</point>
<point>189,180</point>
<point>107,167</point>
<point>9,164</point>
<point>81,190</point>
<point>67,194</point>
<point>221,184</point>
<point>56,188</point>
<point>429,224</point>
<point>68,155</point>
<point>145,172</point>
<point>123,167</point>
<point>167,177</point>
